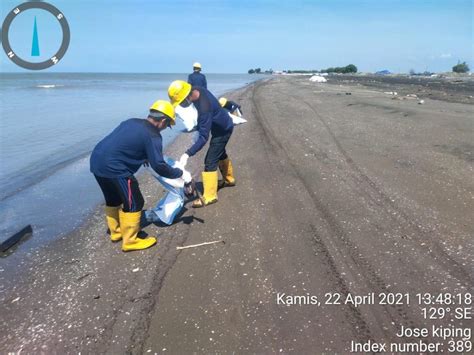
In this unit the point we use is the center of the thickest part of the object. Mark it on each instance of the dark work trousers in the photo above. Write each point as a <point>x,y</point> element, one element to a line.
<point>216,152</point>
<point>118,191</point>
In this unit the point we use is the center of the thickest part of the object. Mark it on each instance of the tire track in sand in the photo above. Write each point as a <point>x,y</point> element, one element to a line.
<point>392,210</point>
<point>328,251</point>
<point>396,314</point>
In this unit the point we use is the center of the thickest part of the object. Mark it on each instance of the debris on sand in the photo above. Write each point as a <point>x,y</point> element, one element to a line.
<point>15,238</point>
<point>421,102</point>
<point>394,93</point>
<point>201,244</point>
<point>318,79</point>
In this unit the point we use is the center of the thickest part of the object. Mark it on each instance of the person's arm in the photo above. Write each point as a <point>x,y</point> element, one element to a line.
<point>155,158</point>
<point>205,81</point>
<point>190,79</point>
<point>204,127</point>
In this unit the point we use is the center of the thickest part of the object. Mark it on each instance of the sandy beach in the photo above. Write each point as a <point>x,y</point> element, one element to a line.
<point>341,189</point>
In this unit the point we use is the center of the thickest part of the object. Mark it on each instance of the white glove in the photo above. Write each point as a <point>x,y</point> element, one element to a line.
<point>183,160</point>
<point>187,176</point>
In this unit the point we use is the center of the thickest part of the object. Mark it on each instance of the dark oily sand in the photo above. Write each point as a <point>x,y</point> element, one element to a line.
<point>336,194</point>
<point>454,88</point>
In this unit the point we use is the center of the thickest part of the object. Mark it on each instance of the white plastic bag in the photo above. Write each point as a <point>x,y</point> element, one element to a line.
<point>318,79</point>
<point>237,120</point>
<point>172,202</point>
<point>189,116</point>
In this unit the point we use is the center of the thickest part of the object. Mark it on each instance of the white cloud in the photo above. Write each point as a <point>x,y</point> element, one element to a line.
<point>445,55</point>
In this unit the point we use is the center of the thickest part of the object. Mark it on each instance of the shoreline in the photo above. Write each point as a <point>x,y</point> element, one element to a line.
<point>45,183</point>
<point>71,258</point>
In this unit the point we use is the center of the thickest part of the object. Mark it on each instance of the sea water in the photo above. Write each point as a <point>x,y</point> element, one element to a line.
<point>50,122</point>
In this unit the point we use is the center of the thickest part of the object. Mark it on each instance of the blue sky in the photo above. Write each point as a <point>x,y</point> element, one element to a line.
<point>232,36</point>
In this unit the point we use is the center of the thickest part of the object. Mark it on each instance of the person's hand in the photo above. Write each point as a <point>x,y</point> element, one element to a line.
<point>183,160</point>
<point>187,177</point>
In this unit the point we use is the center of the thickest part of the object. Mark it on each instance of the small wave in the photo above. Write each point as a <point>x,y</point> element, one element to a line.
<point>48,86</point>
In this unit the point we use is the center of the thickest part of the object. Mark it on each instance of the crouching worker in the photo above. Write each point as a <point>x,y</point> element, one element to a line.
<point>212,120</point>
<point>231,106</point>
<point>117,157</point>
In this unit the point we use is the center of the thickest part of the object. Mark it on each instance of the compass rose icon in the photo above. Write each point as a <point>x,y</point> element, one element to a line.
<point>35,44</point>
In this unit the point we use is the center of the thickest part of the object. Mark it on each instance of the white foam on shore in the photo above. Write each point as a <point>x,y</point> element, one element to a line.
<point>48,86</point>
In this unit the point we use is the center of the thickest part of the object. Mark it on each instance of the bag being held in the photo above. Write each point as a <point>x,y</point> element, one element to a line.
<point>172,202</point>
<point>189,117</point>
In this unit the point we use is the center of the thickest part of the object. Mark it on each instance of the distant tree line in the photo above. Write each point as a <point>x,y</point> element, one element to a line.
<point>351,68</point>
<point>298,71</point>
<point>458,68</point>
<point>425,73</point>
<point>461,67</point>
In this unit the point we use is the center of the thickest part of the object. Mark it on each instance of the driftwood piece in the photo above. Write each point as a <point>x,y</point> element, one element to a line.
<point>15,238</point>
<point>200,245</point>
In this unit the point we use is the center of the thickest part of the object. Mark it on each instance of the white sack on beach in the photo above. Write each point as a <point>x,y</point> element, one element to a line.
<point>317,79</point>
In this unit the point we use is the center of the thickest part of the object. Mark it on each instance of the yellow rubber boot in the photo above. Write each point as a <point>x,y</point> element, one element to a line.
<point>130,225</point>
<point>209,181</point>
<point>112,218</point>
<point>227,171</point>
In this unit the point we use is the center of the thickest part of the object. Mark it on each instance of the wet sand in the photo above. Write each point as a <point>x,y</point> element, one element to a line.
<point>337,194</point>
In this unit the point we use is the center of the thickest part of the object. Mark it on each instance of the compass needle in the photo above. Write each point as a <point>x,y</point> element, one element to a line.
<point>35,51</point>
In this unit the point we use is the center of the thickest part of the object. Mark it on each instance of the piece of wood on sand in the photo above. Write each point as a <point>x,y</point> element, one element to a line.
<point>200,244</point>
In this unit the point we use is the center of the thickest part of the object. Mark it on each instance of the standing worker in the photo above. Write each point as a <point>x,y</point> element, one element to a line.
<point>196,78</point>
<point>117,157</point>
<point>212,118</point>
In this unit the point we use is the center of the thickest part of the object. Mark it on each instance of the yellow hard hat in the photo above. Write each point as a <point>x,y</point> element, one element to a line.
<point>222,101</point>
<point>164,108</point>
<point>178,91</point>
<point>197,65</point>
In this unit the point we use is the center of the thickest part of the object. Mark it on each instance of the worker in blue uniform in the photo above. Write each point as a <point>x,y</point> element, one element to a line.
<point>115,160</point>
<point>196,78</point>
<point>231,106</point>
<point>212,121</point>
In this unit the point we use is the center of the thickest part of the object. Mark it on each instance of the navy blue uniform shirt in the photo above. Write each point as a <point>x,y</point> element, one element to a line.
<point>123,151</point>
<point>197,79</point>
<point>212,118</point>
